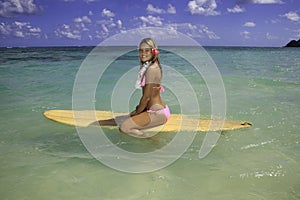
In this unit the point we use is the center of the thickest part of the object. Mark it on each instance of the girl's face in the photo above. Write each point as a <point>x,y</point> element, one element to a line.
<point>145,52</point>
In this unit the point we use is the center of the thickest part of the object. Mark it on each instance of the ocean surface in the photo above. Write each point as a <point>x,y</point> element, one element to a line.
<point>41,159</point>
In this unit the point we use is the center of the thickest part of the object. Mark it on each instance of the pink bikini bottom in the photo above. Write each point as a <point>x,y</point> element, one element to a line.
<point>165,111</point>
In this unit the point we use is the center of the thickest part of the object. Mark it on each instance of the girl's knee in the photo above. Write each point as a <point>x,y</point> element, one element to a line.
<point>130,130</point>
<point>123,128</point>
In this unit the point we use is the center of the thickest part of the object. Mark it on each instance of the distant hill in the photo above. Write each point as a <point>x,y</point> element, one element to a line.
<point>293,43</point>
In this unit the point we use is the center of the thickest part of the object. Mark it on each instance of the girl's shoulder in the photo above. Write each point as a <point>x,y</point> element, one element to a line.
<point>153,73</point>
<point>154,66</point>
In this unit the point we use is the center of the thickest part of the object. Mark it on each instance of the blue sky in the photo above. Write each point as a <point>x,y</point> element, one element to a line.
<point>88,22</point>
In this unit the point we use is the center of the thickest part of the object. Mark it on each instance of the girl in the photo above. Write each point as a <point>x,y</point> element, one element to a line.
<point>151,111</point>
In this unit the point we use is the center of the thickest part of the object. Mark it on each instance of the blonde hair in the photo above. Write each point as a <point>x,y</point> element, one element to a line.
<point>150,42</point>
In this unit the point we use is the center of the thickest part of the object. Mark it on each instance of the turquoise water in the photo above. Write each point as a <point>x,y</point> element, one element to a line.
<point>41,159</point>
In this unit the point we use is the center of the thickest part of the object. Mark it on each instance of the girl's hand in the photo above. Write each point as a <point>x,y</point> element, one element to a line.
<point>133,113</point>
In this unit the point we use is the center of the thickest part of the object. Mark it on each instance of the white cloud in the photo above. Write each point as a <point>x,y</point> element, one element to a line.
<point>236,9</point>
<point>187,28</point>
<point>9,8</point>
<point>119,23</point>
<point>19,29</point>
<point>245,34</point>
<point>84,19</point>
<point>293,16</point>
<point>151,20</point>
<point>151,9</point>
<point>4,29</point>
<point>67,32</point>
<point>249,24</point>
<point>203,7</point>
<point>34,30</point>
<point>171,9</point>
<point>70,35</point>
<point>21,24</point>
<point>267,1</point>
<point>19,34</point>
<point>89,1</point>
<point>84,28</point>
<point>210,34</point>
<point>105,29</point>
<point>192,30</point>
<point>261,1</point>
<point>80,25</point>
<point>107,13</point>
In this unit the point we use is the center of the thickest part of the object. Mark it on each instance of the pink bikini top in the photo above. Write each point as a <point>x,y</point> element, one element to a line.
<point>161,88</point>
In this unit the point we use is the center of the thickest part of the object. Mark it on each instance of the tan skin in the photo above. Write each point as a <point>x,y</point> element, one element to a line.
<point>151,93</point>
<point>150,97</point>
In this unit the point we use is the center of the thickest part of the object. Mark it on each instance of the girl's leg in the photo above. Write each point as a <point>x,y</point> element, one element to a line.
<point>135,124</point>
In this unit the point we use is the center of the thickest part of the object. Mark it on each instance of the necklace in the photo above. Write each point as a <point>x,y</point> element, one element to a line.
<point>143,69</point>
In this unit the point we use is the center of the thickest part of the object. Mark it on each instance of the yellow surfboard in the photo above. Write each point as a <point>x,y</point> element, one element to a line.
<point>177,122</point>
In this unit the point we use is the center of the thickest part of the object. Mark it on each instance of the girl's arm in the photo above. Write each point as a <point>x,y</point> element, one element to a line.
<point>153,77</point>
<point>147,93</point>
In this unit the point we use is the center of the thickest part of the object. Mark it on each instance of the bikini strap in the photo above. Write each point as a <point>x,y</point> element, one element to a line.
<point>161,88</point>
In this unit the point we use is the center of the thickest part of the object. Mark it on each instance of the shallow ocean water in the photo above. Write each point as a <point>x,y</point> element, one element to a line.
<point>41,159</point>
